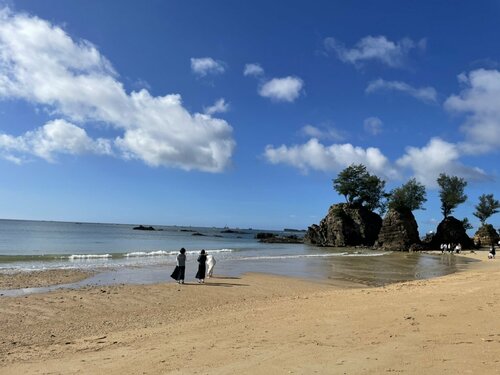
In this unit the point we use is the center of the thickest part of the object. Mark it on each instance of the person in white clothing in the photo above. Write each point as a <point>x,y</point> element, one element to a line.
<point>210,265</point>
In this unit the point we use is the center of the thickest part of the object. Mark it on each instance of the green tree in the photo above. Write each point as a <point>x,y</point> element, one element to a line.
<point>466,223</point>
<point>360,187</point>
<point>451,192</point>
<point>410,196</point>
<point>487,206</point>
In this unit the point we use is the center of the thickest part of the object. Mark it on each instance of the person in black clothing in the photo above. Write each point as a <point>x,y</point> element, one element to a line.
<point>180,269</point>
<point>200,275</point>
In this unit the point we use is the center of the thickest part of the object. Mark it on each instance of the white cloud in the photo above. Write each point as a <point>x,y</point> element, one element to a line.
<point>379,48</point>
<point>437,157</point>
<point>58,136</point>
<point>424,163</point>
<point>253,70</point>
<point>285,89</point>
<point>220,106</point>
<point>425,94</point>
<point>314,155</point>
<point>373,125</point>
<point>41,64</point>
<point>282,89</point>
<point>480,101</point>
<point>206,65</point>
<point>324,132</point>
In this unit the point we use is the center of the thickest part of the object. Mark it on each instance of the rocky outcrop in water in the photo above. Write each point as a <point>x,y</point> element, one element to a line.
<point>486,235</point>
<point>345,225</point>
<point>142,227</point>
<point>451,231</point>
<point>267,237</point>
<point>399,231</point>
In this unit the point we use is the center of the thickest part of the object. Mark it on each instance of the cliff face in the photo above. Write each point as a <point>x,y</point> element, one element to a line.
<point>486,235</point>
<point>345,225</point>
<point>399,231</point>
<point>451,231</point>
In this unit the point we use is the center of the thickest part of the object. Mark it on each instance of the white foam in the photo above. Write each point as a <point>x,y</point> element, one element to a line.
<point>219,251</point>
<point>150,253</point>
<point>89,256</point>
<point>138,254</point>
<point>367,254</point>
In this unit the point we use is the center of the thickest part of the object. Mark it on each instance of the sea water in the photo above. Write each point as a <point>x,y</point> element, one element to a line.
<point>121,254</point>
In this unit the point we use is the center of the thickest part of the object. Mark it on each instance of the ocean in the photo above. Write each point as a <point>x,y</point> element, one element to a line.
<point>121,254</point>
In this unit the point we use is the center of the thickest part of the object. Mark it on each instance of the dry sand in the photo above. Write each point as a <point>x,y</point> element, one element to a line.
<point>259,324</point>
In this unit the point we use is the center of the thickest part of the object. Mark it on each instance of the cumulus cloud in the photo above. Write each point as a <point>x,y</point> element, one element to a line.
<point>253,70</point>
<point>313,155</point>
<point>282,89</point>
<point>206,65</point>
<point>437,157</point>
<point>325,132</point>
<point>424,94</point>
<point>373,125</point>
<point>425,163</point>
<point>377,48</point>
<point>286,89</point>
<point>42,64</point>
<point>220,106</point>
<point>479,101</point>
<point>55,137</point>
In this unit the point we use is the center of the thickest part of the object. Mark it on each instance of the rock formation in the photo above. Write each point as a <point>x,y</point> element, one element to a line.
<point>451,231</point>
<point>486,235</point>
<point>282,239</point>
<point>345,225</point>
<point>399,231</point>
<point>142,227</point>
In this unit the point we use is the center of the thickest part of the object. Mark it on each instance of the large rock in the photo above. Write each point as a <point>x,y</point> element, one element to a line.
<point>451,231</point>
<point>486,235</point>
<point>345,225</point>
<point>399,231</point>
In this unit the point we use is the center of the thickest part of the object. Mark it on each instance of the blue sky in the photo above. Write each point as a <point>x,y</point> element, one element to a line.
<point>241,113</point>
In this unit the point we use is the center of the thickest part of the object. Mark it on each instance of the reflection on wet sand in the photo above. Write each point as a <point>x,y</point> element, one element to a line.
<point>394,267</point>
<point>366,268</point>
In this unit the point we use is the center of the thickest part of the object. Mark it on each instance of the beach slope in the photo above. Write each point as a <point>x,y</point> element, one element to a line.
<point>259,324</point>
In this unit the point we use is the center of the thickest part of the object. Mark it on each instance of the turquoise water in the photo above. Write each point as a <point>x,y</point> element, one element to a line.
<point>122,254</point>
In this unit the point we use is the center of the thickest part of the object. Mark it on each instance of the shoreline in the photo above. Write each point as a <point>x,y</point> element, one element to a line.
<point>50,279</point>
<point>25,282</point>
<point>259,324</point>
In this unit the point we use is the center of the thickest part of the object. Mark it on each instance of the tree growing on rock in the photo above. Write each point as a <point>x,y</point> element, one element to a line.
<point>466,223</point>
<point>486,207</point>
<point>359,187</point>
<point>408,197</point>
<point>399,231</point>
<point>451,192</point>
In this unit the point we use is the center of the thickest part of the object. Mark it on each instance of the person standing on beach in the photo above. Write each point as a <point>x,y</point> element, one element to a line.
<point>210,265</point>
<point>202,259</point>
<point>180,268</point>
<point>492,253</point>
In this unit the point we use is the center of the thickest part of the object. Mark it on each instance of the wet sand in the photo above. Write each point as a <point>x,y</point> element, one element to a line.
<point>37,279</point>
<point>259,324</point>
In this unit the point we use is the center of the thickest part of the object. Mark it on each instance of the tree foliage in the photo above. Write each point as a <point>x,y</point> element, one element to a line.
<point>466,223</point>
<point>486,207</point>
<point>360,187</point>
<point>451,192</point>
<point>410,196</point>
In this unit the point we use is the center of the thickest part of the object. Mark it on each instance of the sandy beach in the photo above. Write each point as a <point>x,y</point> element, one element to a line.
<point>37,279</point>
<point>259,324</point>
